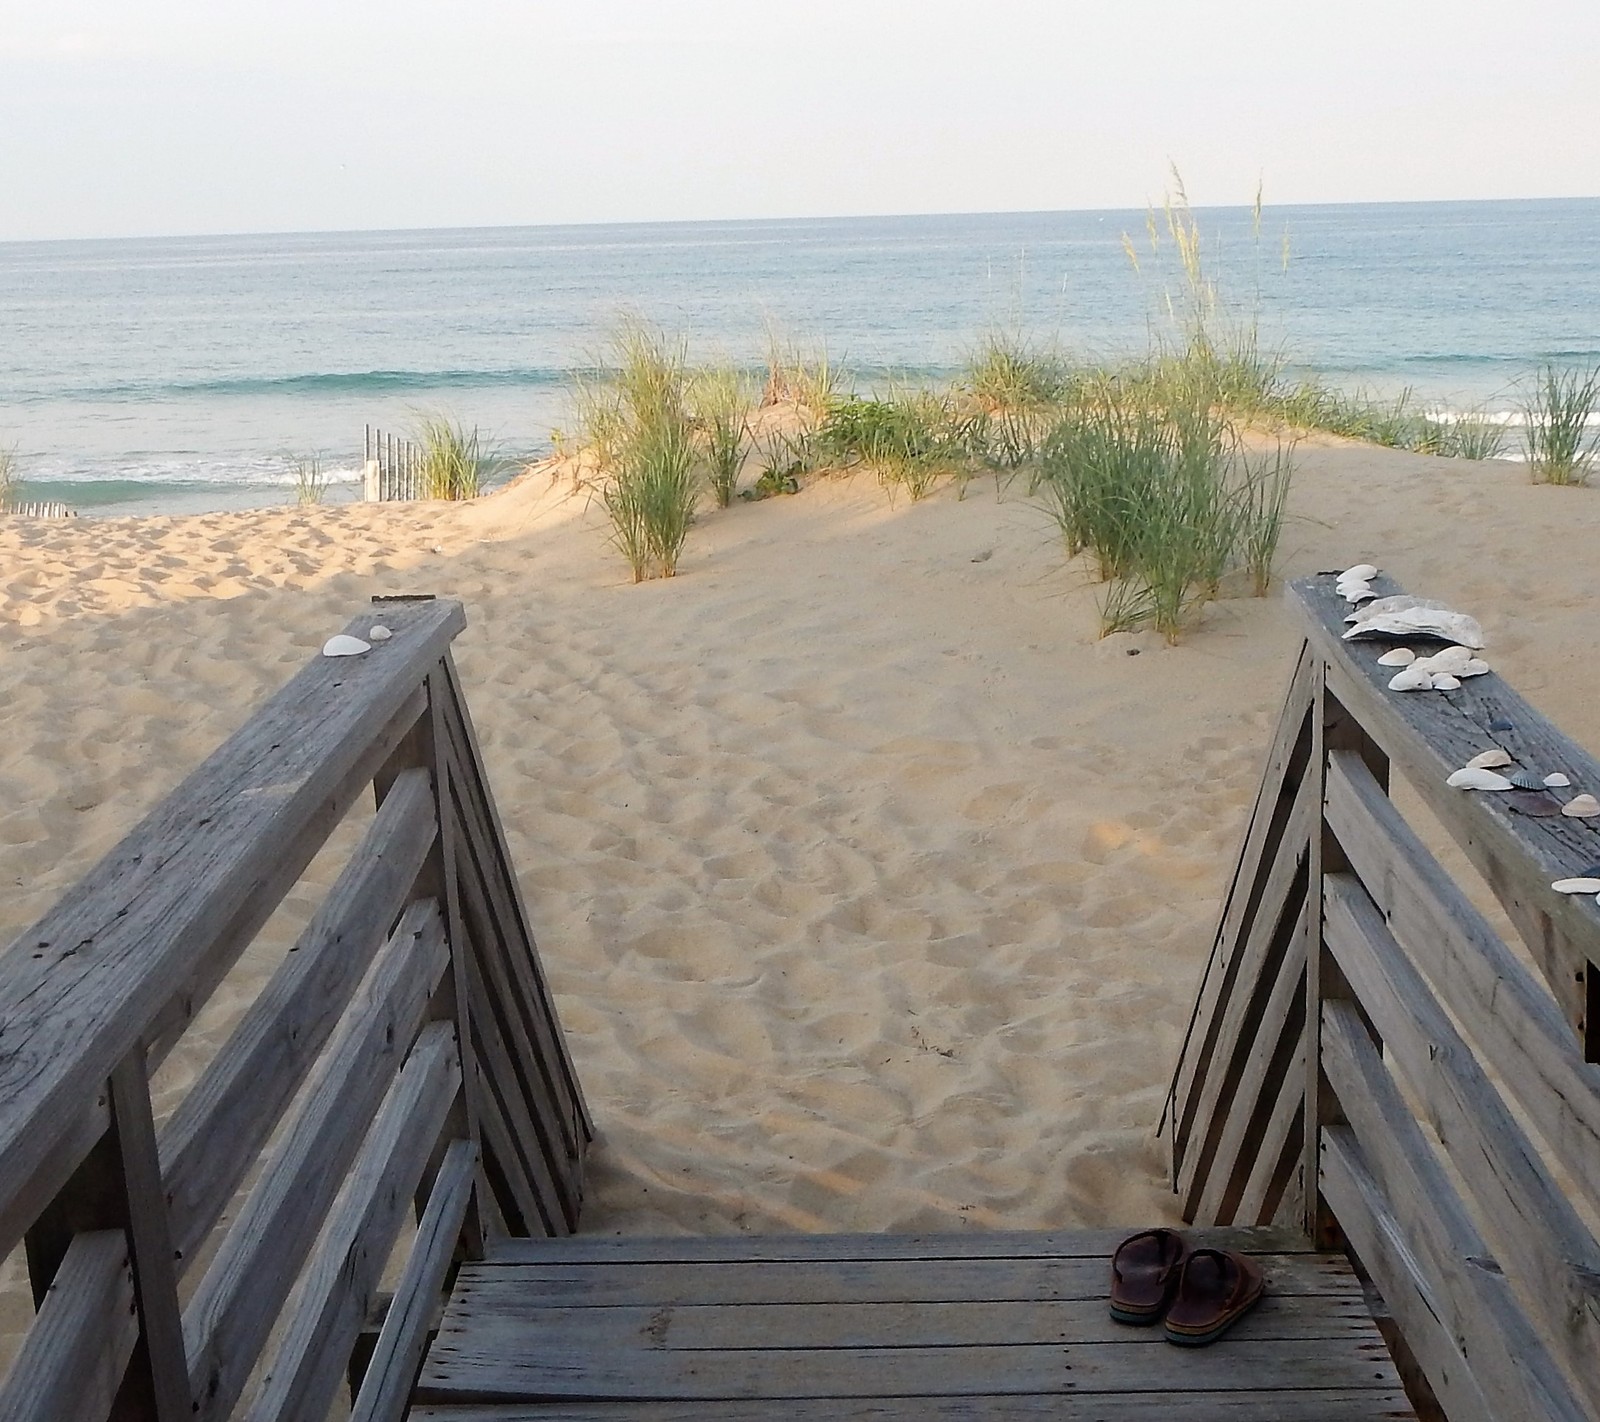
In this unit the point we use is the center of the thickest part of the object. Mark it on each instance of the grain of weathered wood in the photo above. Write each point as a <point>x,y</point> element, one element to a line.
<point>588,1285</point>
<point>343,1276</point>
<point>1257,956</point>
<point>1273,1051</point>
<point>1430,736</point>
<point>502,1163</point>
<point>1385,1253</point>
<point>1501,1005</point>
<point>1090,1244</point>
<point>1275,1405</point>
<point>526,995</point>
<point>239,1297</point>
<point>468,754</point>
<point>1512,1368</point>
<point>71,1362</point>
<point>220,1125</point>
<point>79,989</point>
<point>1266,1188</point>
<point>393,1366</point>
<point>493,1361</point>
<point>1539,1237</point>
<point>1280,779</point>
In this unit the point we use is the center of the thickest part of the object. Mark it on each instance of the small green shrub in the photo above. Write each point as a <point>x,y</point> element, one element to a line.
<point>310,482</point>
<point>721,402</point>
<point>1559,436</point>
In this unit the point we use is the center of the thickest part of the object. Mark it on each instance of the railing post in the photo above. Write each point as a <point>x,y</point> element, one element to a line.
<point>1333,729</point>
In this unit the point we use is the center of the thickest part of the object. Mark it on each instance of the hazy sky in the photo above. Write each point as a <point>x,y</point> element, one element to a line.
<point>121,118</point>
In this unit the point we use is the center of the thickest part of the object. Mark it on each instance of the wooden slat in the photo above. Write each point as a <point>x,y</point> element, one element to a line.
<point>1541,1242</point>
<point>1302,1405</point>
<point>1254,965</point>
<point>1430,736</point>
<point>502,1163</point>
<point>1501,1005</point>
<point>1271,1054</point>
<point>343,1277</point>
<point>490,1362</point>
<point>507,1289</point>
<point>221,1123</point>
<point>1512,1368</point>
<point>79,990</point>
<point>72,1360</point>
<point>1385,1252</point>
<point>239,1297</point>
<point>1266,1189</point>
<point>1275,795</point>
<point>1091,1244</point>
<point>513,961</point>
<point>392,1369</point>
<point>469,758</point>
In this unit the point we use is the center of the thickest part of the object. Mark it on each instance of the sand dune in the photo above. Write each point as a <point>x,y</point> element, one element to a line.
<point>874,889</point>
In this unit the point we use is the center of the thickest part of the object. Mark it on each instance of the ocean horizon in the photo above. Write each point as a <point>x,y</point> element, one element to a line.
<point>192,373</point>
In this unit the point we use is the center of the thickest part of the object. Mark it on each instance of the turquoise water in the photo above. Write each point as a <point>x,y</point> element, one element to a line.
<point>189,373</point>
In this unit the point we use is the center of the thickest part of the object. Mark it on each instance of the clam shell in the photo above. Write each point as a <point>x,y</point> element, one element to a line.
<point>1582,807</point>
<point>1490,759</point>
<point>1410,679</point>
<point>1399,602</point>
<point>1537,803</point>
<point>1577,886</point>
<point>1443,681</point>
<point>1525,779</point>
<point>1472,777</point>
<point>1355,592</point>
<point>1398,657</point>
<point>379,633</point>
<point>1556,780</point>
<point>345,645</point>
<point>1360,573</point>
<point>1476,667</point>
<point>1449,661</point>
<point>1442,623</point>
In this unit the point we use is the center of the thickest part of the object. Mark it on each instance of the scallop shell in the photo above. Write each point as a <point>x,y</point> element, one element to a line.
<point>1361,573</point>
<point>1490,759</point>
<point>1526,779</point>
<point>1582,807</point>
<point>1398,657</point>
<point>1556,780</point>
<point>345,645</point>
<point>1449,661</point>
<point>1410,679</point>
<point>379,633</point>
<point>1476,667</point>
<point>1472,777</point>
<point>1577,886</point>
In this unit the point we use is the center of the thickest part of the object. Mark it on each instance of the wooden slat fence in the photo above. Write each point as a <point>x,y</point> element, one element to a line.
<point>391,467</point>
<point>410,1037</point>
<point>1369,1056</point>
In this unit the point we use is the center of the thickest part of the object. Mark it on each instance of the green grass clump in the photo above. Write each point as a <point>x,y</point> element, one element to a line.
<point>721,401</point>
<point>810,383</point>
<point>1017,391</point>
<point>910,438</point>
<point>454,463</point>
<point>1160,489</point>
<point>310,481</point>
<point>1557,410</point>
<point>10,484</point>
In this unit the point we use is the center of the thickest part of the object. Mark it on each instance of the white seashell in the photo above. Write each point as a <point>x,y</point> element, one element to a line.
<point>1398,602</point>
<point>345,646</point>
<point>1361,573</point>
<point>1582,807</point>
<point>1472,777</point>
<point>1443,681</point>
<point>1556,780</point>
<point>1398,657</point>
<point>1577,886</point>
<point>1489,759</point>
<point>1355,592</point>
<point>1410,679</point>
<point>1476,667</point>
<point>1442,623</point>
<point>379,633</point>
<point>1449,661</point>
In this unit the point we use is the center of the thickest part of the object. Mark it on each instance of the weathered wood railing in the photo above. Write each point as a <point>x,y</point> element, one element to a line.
<point>409,1035</point>
<point>1369,1055</point>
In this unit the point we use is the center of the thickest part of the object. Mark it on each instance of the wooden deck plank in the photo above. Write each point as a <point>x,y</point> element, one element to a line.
<point>1305,1405</point>
<point>502,1362</point>
<point>834,1282</point>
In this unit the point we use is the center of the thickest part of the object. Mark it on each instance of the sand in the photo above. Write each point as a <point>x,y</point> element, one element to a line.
<point>874,890</point>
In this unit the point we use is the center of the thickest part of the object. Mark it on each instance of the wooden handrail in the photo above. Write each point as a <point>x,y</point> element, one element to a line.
<point>1354,1072</point>
<point>412,1008</point>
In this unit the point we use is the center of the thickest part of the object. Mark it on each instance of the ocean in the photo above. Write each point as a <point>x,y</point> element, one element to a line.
<point>192,373</point>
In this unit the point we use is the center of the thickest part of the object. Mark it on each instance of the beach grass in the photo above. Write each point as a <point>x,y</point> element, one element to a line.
<point>722,400</point>
<point>454,463</point>
<point>1557,409</point>
<point>10,482</point>
<point>310,481</point>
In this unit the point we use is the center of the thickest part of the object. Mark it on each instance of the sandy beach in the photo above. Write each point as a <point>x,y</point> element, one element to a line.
<point>873,888</point>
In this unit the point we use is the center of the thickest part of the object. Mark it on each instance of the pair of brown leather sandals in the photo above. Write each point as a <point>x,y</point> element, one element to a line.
<point>1199,1294</point>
